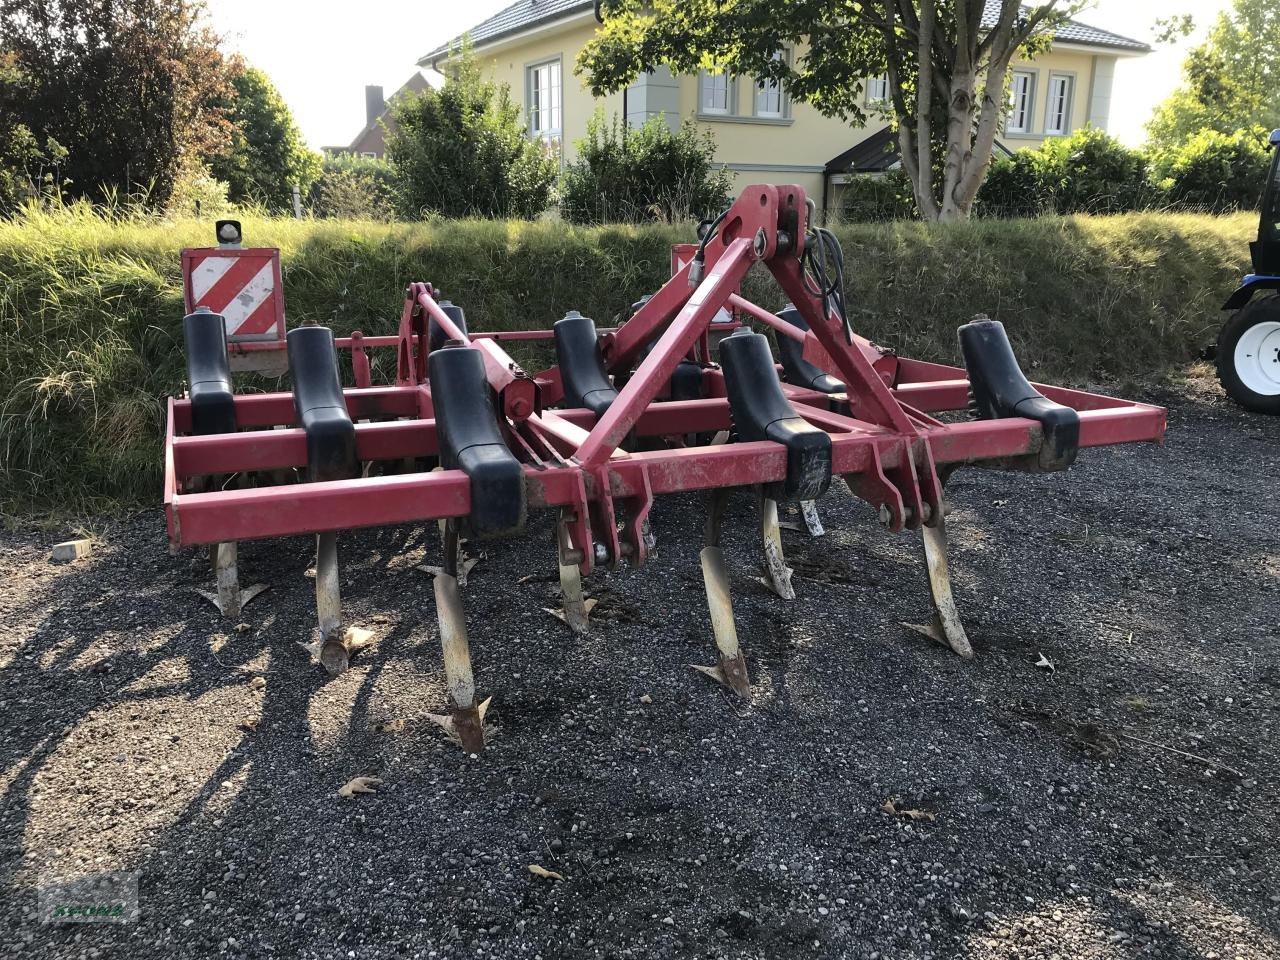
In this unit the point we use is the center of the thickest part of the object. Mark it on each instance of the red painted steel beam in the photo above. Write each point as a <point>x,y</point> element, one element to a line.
<point>280,449</point>
<point>936,396</point>
<point>766,317</point>
<point>318,507</point>
<point>170,473</point>
<point>314,507</point>
<point>658,310</point>
<point>669,417</point>
<point>256,410</point>
<point>976,440</point>
<point>1134,423</point>
<point>657,367</point>
<point>513,386</point>
<point>864,385</point>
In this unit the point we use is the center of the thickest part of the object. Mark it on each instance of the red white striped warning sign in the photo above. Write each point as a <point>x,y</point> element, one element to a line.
<point>242,285</point>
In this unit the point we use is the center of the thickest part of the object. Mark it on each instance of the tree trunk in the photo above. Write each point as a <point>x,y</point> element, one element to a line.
<point>923,179</point>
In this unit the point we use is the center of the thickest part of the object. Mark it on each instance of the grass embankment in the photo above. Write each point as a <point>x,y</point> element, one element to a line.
<point>90,314</point>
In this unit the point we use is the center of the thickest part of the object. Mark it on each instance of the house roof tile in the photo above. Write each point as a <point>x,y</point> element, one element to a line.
<point>521,15</point>
<point>524,14</point>
<point>1073,31</point>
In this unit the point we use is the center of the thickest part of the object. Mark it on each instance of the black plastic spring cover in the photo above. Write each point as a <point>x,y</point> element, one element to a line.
<point>761,411</point>
<point>799,371</point>
<point>999,389</point>
<point>470,441</point>
<point>213,405</point>
<point>686,382</point>
<point>321,409</point>
<point>582,371</point>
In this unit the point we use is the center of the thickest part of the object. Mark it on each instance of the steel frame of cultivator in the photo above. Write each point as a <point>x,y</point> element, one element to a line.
<point>598,436</point>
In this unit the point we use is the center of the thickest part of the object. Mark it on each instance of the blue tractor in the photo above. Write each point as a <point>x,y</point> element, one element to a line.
<point>1248,349</point>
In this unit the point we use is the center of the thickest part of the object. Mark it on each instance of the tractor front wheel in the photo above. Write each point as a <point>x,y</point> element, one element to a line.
<point>1249,356</point>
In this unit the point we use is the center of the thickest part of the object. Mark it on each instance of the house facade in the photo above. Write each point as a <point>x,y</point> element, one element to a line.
<point>760,135</point>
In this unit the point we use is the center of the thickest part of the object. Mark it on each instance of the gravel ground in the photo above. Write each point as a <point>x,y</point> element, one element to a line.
<point>1061,819</point>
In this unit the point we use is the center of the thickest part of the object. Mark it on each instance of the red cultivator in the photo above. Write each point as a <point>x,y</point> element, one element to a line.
<point>624,416</point>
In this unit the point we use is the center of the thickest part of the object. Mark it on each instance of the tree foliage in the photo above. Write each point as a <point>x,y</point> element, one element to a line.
<point>1215,171</point>
<point>651,173</point>
<point>265,155</point>
<point>947,67</point>
<point>28,168</point>
<point>1230,82</point>
<point>461,151</point>
<point>352,187</point>
<point>129,88</point>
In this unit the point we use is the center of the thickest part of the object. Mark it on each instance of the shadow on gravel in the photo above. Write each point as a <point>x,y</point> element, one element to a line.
<point>1086,810</point>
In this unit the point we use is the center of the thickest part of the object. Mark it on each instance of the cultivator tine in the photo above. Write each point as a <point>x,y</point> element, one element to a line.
<point>228,597</point>
<point>333,653</point>
<point>575,606</point>
<point>812,522</point>
<point>331,644</point>
<point>465,722</point>
<point>732,668</point>
<point>775,561</point>
<point>945,627</point>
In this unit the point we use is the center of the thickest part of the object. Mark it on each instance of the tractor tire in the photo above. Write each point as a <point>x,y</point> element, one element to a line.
<point>1248,356</point>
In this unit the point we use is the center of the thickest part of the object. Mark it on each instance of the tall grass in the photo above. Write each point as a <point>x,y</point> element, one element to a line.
<point>90,309</point>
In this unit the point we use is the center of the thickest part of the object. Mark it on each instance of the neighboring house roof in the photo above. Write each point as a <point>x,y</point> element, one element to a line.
<point>372,139</point>
<point>877,153</point>
<point>521,15</point>
<point>526,14</point>
<point>1073,31</point>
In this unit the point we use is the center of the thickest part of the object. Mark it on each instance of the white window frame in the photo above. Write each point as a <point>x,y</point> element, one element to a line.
<point>553,90</point>
<point>1068,82</point>
<point>705,78</point>
<point>880,83</point>
<point>1028,105</point>
<point>769,88</point>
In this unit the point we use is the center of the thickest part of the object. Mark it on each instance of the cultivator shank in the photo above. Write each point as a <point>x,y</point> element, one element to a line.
<point>669,402</point>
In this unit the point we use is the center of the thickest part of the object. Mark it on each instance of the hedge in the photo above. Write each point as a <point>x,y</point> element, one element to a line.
<point>91,343</point>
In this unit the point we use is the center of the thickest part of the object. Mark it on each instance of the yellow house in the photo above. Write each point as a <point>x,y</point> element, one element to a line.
<point>762,137</point>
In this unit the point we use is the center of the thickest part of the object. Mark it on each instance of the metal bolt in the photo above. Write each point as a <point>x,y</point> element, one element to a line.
<point>886,515</point>
<point>760,241</point>
<point>602,553</point>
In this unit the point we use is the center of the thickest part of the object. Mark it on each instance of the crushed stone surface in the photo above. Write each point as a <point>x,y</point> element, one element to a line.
<point>1122,804</point>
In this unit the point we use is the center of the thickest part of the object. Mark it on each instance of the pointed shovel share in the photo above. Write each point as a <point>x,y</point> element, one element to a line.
<point>331,456</point>
<point>213,412</point>
<point>688,395</point>
<point>470,442</point>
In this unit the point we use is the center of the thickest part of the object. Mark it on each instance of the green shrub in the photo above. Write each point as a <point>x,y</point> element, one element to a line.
<point>352,187</point>
<point>874,198</point>
<point>1099,174</point>
<point>634,176</point>
<point>1216,171</point>
<point>197,193</point>
<point>1087,172</point>
<point>1014,187</point>
<point>461,151</point>
<point>91,335</point>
